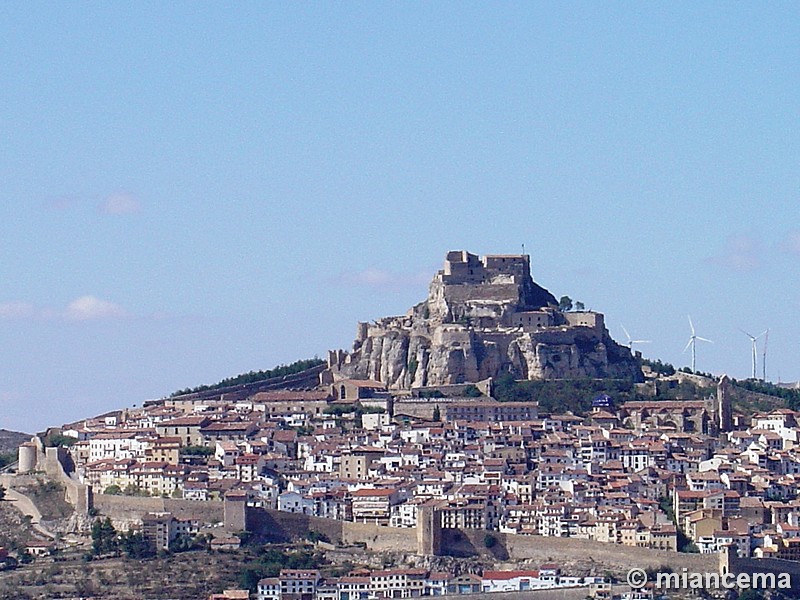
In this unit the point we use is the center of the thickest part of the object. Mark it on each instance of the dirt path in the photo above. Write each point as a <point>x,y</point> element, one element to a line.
<point>26,506</point>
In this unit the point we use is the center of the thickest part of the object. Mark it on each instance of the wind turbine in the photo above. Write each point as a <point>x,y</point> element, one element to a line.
<point>764,357</point>
<point>631,341</point>
<point>693,343</point>
<point>754,342</point>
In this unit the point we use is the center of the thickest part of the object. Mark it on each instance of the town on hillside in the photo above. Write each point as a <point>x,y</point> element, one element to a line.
<point>440,424</point>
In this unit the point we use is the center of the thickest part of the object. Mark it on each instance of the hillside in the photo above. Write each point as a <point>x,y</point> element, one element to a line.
<point>254,377</point>
<point>10,440</point>
<point>186,576</point>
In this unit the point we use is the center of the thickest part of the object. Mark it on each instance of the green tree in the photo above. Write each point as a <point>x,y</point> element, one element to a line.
<point>135,490</point>
<point>659,367</point>
<point>580,306</point>
<point>256,376</point>
<point>338,410</point>
<point>134,545</point>
<point>104,537</point>
<point>113,490</point>
<point>57,439</point>
<point>2,492</point>
<point>6,458</point>
<point>565,304</point>
<point>250,577</point>
<point>437,414</point>
<point>272,560</point>
<point>197,451</point>
<point>316,536</point>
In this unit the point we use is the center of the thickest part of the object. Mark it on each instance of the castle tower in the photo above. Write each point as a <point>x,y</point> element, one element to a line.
<point>724,405</point>
<point>429,531</point>
<point>235,509</point>
<point>27,457</point>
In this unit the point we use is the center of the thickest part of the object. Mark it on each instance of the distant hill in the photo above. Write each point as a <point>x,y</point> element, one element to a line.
<point>255,377</point>
<point>754,395</point>
<point>10,440</point>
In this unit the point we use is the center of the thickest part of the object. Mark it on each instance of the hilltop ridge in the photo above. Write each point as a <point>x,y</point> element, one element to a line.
<point>484,316</point>
<point>10,440</point>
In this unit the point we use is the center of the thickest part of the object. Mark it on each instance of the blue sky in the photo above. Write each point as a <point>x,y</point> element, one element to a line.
<point>194,190</point>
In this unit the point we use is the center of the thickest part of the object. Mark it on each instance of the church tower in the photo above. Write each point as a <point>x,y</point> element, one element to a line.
<point>724,405</point>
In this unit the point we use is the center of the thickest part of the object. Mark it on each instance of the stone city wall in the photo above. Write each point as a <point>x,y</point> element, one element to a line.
<point>380,538</point>
<point>576,593</point>
<point>131,509</point>
<point>57,461</point>
<point>594,557</point>
<point>736,565</point>
<point>615,557</point>
<point>277,526</point>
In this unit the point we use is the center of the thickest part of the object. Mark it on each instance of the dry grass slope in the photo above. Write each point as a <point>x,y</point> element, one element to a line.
<point>185,576</point>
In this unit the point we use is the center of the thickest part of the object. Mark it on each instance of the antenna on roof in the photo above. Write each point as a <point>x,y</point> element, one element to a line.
<point>523,249</point>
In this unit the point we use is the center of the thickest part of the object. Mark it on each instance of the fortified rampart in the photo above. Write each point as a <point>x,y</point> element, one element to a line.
<point>574,593</point>
<point>57,465</point>
<point>310,378</point>
<point>462,267</point>
<point>595,557</point>
<point>750,402</point>
<point>278,526</point>
<point>79,495</point>
<point>729,563</point>
<point>131,509</point>
<point>497,292</point>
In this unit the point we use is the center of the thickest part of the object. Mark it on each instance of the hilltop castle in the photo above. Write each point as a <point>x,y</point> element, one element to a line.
<point>484,316</point>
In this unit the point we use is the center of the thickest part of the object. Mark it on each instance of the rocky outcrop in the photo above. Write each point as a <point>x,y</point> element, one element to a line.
<point>484,316</point>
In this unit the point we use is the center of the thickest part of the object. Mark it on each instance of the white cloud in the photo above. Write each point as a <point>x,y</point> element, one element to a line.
<point>120,204</point>
<point>16,310</point>
<point>741,253</point>
<point>85,308</point>
<point>89,308</point>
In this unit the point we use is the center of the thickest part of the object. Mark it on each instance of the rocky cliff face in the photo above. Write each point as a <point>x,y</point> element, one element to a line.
<point>484,316</point>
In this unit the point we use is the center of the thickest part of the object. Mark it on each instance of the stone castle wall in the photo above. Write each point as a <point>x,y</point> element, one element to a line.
<point>728,563</point>
<point>56,463</point>
<point>621,558</point>
<point>498,292</point>
<point>576,593</point>
<point>131,509</point>
<point>279,526</point>
<point>462,267</point>
<point>595,557</point>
